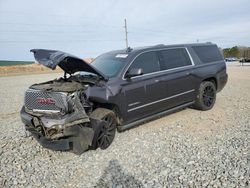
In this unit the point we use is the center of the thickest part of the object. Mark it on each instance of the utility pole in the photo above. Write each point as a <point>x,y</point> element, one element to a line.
<point>126,33</point>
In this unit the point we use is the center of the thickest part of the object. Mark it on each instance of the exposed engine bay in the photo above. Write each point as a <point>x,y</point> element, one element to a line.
<point>71,84</point>
<point>60,109</point>
<point>60,114</point>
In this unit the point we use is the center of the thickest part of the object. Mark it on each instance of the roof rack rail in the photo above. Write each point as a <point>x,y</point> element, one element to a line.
<point>159,45</point>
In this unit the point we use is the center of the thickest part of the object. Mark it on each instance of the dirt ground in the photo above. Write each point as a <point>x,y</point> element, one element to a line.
<point>15,70</point>
<point>188,148</point>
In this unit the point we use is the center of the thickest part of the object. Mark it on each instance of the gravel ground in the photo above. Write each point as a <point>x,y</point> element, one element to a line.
<point>187,148</point>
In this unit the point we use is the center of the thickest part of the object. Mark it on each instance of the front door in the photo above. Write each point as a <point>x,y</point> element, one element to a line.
<point>142,92</point>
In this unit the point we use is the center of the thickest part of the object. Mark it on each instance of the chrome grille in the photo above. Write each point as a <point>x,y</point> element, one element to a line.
<point>32,96</point>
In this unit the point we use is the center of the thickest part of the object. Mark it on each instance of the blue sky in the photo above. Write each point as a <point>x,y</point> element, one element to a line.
<point>89,28</point>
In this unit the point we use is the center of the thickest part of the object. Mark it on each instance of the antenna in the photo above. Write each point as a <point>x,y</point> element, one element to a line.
<point>126,33</point>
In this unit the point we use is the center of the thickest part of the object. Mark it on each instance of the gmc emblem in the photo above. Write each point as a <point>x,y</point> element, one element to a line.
<point>42,100</point>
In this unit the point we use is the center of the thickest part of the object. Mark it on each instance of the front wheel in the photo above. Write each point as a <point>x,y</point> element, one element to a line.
<point>206,97</point>
<point>108,130</point>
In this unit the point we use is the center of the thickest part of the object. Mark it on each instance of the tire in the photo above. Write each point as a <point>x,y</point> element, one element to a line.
<point>206,96</point>
<point>107,132</point>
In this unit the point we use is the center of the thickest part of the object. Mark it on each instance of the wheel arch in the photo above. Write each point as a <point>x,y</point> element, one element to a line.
<point>212,79</point>
<point>111,106</point>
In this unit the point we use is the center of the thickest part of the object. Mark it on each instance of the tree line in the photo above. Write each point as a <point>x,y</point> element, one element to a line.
<point>235,51</point>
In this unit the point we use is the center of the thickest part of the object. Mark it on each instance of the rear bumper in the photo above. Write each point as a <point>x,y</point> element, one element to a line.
<point>222,82</point>
<point>77,139</point>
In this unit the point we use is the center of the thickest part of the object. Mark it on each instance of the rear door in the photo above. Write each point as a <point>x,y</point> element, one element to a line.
<point>178,78</point>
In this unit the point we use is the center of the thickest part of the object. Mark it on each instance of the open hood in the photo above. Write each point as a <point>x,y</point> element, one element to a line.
<point>67,62</point>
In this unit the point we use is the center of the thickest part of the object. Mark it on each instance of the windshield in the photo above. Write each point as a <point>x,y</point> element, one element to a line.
<point>110,64</point>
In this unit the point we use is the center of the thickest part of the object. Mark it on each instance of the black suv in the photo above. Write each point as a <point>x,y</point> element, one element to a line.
<point>118,90</point>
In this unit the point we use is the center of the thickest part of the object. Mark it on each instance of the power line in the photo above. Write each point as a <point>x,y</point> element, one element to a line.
<point>135,30</point>
<point>58,32</point>
<point>58,41</point>
<point>60,25</point>
<point>33,24</point>
<point>141,32</point>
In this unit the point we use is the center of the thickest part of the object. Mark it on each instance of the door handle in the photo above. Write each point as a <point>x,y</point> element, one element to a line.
<point>157,81</point>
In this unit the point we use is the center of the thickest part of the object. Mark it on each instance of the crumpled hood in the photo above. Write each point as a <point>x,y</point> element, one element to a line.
<point>67,62</point>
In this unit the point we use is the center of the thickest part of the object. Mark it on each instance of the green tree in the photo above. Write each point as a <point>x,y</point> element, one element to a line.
<point>234,51</point>
<point>231,52</point>
<point>226,52</point>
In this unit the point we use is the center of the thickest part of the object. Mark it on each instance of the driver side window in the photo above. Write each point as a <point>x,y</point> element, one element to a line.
<point>148,62</point>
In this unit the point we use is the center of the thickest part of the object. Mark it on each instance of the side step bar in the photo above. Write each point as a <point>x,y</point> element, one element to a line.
<point>154,116</point>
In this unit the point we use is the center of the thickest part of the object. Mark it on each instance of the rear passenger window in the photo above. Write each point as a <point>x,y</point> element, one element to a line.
<point>174,58</point>
<point>208,54</point>
<point>148,61</point>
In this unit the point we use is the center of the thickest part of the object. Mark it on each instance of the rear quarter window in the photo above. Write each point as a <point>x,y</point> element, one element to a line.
<point>208,54</point>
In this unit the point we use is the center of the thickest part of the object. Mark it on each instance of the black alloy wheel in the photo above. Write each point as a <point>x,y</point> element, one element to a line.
<point>107,133</point>
<point>208,96</point>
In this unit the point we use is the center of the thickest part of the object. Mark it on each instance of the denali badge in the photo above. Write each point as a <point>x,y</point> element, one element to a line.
<point>42,100</point>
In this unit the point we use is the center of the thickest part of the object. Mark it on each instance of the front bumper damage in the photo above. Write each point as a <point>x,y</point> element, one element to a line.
<point>75,137</point>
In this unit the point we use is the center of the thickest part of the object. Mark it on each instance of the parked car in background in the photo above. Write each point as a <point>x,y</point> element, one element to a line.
<point>229,59</point>
<point>120,89</point>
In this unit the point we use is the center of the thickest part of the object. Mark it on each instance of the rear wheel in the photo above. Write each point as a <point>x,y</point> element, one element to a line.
<point>206,97</point>
<point>108,130</point>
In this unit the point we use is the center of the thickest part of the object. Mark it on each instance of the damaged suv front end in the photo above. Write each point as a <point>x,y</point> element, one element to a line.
<point>57,112</point>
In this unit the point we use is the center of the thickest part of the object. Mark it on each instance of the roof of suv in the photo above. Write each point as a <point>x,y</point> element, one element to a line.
<point>159,46</point>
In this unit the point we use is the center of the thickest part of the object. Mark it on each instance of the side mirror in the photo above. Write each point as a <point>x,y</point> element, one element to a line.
<point>134,72</point>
